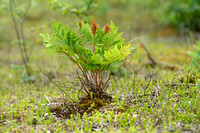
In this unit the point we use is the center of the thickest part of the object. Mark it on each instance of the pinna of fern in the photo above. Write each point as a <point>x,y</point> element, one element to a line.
<point>94,50</point>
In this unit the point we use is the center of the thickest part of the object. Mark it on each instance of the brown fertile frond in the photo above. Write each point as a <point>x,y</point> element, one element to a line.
<point>107,28</point>
<point>98,26</point>
<point>93,27</point>
<point>92,21</point>
<point>80,23</point>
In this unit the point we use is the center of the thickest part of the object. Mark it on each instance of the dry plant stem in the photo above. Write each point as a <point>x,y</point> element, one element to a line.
<point>96,79</point>
<point>22,30</point>
<point>101,78</point>
<point>99,86</point>
<point>179,84</point>
<point>83,84</point>
<point>106,83</point>
<point>149,55</point>
<point>53,81</point>
<point>156,63</point>
<point>22,45</point>
<point>149,82</point>
<point>94,82</point>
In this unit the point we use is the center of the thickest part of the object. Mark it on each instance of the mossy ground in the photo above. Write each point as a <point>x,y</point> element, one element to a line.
<point>135,102</point>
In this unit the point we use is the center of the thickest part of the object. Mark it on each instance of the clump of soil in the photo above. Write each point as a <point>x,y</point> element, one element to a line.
<point>85,104</point>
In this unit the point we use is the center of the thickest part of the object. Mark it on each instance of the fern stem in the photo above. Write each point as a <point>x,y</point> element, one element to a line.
<point>79,56</point>
<point>101,80</point>
<point>93,44</point>
<point>96,78</point>
<point>75,62</point>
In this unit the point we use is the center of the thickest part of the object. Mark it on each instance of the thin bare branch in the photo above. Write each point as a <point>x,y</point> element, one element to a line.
<point>53,82</point>
<point>83,83</point>
<point>179,84</point>
<point>150,78</point>
<point>149,55</point>
<point>20,37</point>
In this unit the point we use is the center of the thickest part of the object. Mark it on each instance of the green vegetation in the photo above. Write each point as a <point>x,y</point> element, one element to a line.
<point>144,81</point>
<point>195,55</point>
<point>183,14</point>
<point>107,51</point>
<point>81,12</point>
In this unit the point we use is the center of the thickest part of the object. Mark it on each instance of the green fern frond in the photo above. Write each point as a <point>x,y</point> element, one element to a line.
<point>110,48</point>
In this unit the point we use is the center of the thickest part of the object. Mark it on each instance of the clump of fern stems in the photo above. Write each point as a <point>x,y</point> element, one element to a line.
<point>95,51</point>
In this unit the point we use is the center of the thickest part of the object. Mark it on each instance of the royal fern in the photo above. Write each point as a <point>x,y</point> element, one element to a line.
<point>94,50</point>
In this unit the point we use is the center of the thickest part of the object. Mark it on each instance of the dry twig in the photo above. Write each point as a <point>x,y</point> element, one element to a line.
<point>155,63</point>
<point>180,84</point>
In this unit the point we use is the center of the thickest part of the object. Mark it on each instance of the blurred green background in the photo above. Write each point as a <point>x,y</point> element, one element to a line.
<point>168,22</point>
<point>152,18</point>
